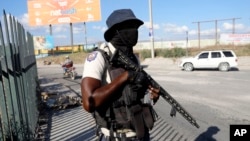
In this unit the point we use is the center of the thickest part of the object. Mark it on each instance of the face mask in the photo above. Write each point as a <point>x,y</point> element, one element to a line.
<point>129,37</point>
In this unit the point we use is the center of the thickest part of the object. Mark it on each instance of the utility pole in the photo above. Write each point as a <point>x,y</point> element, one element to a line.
<point>216,34</point>
<point>85,32</point>
<point>186,43</point>
<point>151,29</point>
<point>50,33</point>
<point>71,35</point>
<point>199,35</point>
<point>50,29</point>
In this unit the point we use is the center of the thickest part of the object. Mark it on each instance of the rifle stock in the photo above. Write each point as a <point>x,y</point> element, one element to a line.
<point>130,65</point>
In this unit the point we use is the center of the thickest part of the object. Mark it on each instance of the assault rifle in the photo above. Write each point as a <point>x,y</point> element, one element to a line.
<point>130,65</point>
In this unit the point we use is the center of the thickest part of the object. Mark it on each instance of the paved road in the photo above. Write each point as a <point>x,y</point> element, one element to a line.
<point>215,99</point>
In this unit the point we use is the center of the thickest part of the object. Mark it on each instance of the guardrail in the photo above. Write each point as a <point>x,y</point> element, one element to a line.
<point>18,82</point>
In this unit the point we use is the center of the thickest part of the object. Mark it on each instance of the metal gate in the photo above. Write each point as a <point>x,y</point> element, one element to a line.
<point>18,82</point>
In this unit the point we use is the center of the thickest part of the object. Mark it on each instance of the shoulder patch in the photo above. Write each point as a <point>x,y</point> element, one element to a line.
<point>92,56</point>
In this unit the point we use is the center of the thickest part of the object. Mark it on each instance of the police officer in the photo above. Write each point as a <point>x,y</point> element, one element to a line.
<point>113,94</point>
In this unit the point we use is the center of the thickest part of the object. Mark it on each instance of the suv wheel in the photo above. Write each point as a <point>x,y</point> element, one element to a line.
<point>188,67</point>
<point>224,66</point>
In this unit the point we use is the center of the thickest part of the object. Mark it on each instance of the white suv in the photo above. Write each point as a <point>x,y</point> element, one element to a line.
<point>223,60</point>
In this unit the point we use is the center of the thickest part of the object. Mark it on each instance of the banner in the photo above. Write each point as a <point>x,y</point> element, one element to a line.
<point>46,12</point>
<point>43,42</point>
<point>235,38</point>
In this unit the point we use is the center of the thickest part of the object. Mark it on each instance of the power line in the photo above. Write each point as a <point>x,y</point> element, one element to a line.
<point>216,21</point>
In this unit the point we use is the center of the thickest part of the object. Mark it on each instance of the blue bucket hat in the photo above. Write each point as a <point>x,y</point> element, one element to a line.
<point>117,17</point>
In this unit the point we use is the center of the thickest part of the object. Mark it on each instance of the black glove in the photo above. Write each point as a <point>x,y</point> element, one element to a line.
<point>137,77</point>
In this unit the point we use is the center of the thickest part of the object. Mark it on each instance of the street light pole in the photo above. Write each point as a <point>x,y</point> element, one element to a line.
<point>151,29</point>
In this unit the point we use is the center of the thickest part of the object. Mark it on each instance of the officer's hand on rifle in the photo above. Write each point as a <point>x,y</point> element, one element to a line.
<point>138,82</point>
<point>137,78</point>
<point>154,93</point>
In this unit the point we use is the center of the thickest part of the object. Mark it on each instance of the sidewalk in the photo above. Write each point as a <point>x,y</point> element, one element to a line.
<point>67,120</point>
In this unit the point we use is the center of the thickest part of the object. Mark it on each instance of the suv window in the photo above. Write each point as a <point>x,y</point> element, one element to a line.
<point>228,53</point>
<point>203,55</point>
<point>216,55</point>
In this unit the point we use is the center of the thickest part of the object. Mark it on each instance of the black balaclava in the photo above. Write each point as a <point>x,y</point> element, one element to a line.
<point>125,39</point>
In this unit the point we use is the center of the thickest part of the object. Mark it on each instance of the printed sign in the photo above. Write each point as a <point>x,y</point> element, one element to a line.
<point>46,12</point>
<point>43,42</point>
<point>235,38</point>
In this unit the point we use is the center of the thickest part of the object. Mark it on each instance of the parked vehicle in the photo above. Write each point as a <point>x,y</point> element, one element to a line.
<point>222,60</point>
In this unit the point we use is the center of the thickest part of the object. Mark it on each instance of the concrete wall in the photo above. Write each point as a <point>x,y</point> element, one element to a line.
<point>180,43</point>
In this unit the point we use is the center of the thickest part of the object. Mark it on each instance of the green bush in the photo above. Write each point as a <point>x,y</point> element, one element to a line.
<point>163,53</point>
<point>170,53</point>
<point>178,52</point>
<point>145,53</point>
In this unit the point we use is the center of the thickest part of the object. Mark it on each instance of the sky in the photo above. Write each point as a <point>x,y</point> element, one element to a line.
<point>172,19</point>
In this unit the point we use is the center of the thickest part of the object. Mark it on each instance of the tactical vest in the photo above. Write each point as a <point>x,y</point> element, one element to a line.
<point>127,110</point>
